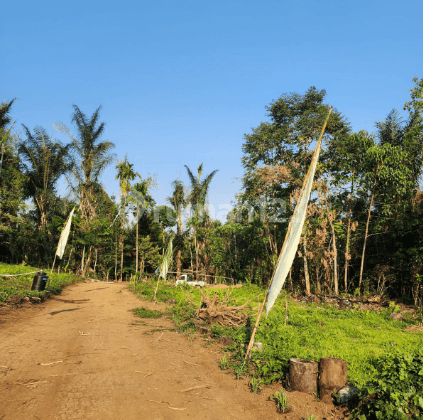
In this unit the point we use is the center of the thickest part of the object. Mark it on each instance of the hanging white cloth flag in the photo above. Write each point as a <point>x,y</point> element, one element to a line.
<point>166,260</point>
<point>64,236</point>
<point>295,229</point>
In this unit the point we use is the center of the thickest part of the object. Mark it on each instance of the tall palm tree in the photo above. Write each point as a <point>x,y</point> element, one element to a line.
<point>93,156</point>
<point>125,175</point>
<point>144,199</point>
<point>44,161</point>
<point>197,198</point>
<point>178,202</point>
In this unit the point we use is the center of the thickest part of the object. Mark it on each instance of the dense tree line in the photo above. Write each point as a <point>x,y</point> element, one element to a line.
<point>363,227</point>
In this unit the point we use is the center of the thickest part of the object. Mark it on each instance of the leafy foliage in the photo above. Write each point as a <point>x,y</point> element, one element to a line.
<point>397,391</point>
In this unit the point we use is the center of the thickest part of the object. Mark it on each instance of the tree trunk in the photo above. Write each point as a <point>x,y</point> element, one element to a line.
<point>190,252</point>
<point>319,289</point>
<point>335,262</point>
<point>136,240</point>
<point>365,237</point>
<point>333,376</point>
<point>178,263</point>
<point>122,226</point>
<point>307,278</point>
<point>95,264</point>
<point>335,252</point>
<point>121,258</point>
<point>347,247</point>
<point>87,264</point>
<point>116,251</point>
<point>196,254</point>
<point>179,252</point>
<point>40,200</point>
<point>83,258</point>
<point>303,375</point>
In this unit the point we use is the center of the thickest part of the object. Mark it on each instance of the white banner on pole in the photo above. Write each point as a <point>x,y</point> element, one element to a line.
<point>64,236</point>
<point>292,240</point>
<point>166,260</point>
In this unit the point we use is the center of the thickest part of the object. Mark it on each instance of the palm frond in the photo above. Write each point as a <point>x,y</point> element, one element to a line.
<point>5,118</point>
<point>192,178</point>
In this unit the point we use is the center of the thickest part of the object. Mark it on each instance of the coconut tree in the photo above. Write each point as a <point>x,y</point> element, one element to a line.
<point>178,202</point>
<point>92,156</point>
<point>44,162</point>
<point>125,175</point>
<point>142,200</point>
<point>197,199</point>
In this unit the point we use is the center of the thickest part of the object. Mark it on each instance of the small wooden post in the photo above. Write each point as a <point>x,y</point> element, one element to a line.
<point>286,311</point>
<point>250,344</point>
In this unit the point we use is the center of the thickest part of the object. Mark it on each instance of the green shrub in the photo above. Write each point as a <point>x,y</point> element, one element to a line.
<point>397,391</point>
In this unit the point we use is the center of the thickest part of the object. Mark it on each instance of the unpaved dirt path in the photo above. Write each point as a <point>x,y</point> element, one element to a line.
<point>92,360</point>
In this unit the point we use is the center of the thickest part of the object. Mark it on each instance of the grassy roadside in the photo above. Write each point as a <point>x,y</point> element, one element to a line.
<point>15,288</point>
<point>312,331</point>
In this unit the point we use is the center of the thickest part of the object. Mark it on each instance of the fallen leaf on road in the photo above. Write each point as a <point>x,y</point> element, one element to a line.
<point>196,387</point>
<point>170,406</point>
<point>52,363</point>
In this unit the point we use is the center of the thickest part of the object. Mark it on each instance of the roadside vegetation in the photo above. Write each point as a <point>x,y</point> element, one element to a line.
<point>312,331</point>
<point>14,289</point>
<point>384,356</point>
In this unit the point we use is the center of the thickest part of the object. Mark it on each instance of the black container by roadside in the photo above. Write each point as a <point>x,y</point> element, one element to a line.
<point>40,281</point>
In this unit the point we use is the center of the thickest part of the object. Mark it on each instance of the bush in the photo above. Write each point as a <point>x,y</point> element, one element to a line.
<point>397,391</point>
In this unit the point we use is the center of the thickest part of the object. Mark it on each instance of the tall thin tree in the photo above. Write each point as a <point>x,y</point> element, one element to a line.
<point>178,202</point>
<point>125,175</point>
<point>197,199</point>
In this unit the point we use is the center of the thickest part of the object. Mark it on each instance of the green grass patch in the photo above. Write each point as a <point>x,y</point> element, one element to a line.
<point>312,331</point>
<point>147,313</point>
<point>16,288</point>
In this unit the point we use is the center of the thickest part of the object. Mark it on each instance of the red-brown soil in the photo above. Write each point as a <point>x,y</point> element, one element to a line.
<point>91,360</point>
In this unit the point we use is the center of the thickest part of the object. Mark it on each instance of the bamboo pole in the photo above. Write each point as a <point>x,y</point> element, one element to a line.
<point>51,272</point>
<point>250,345</point>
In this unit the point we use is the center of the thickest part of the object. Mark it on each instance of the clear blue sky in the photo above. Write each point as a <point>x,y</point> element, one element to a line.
<point>181,82</point>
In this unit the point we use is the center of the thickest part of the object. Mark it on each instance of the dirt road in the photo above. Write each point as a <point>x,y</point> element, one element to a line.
<point>92,360</point>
